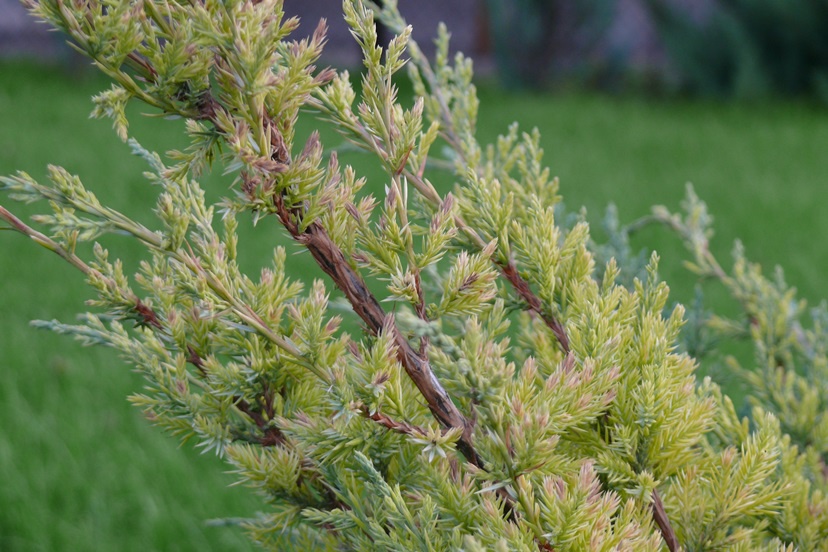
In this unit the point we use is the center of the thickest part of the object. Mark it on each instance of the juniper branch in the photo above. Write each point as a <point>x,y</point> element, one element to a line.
<point>332,261</point>
<point>44,241</point>
<point>147,316</point>
<point>426,188</point>
<point>274,156</point>
<point>237,116</point>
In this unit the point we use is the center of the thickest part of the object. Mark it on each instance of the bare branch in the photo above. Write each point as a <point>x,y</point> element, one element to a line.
<point>663,522</point>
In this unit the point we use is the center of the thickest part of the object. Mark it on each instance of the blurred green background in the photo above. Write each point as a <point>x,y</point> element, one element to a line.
<point>82,470</point>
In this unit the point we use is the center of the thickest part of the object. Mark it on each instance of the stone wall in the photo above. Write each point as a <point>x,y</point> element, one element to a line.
<point>21,35</point>
<point>463,18</point>
<point>631,31</point>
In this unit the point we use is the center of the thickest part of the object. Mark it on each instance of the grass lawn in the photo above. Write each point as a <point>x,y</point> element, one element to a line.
<point>82,470</point>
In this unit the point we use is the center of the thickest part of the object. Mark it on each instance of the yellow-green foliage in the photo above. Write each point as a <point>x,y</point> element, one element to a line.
<point>518,396</point>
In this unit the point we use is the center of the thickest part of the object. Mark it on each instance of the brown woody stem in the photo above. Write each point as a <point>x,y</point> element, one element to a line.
<point>392,424</point>
<point>663,522</point>
<point>522,288</point>
<point>332,261</point>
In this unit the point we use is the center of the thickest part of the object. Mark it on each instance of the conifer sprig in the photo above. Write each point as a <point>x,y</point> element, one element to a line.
<point>577,420</point>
